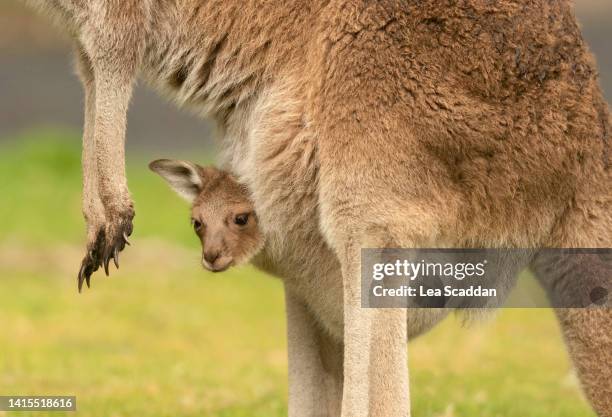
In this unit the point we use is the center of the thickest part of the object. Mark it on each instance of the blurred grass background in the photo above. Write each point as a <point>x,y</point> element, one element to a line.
<point>162,337</point>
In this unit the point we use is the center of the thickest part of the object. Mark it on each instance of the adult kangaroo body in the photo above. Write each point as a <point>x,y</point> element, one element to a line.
<point>365,124</point>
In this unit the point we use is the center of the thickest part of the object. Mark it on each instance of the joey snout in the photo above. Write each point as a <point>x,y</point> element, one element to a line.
<point>216,256</point>
<point>215,259</point>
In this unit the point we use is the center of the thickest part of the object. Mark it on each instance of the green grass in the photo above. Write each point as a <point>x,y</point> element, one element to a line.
<point>161,337</point>
<point>40,177</point>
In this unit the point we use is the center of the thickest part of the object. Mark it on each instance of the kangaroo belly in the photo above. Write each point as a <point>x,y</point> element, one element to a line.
<point>280,166</point>
<point>278,161</point>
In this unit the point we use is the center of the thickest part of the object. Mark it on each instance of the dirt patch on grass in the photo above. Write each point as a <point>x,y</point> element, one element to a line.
<point>64,260</point>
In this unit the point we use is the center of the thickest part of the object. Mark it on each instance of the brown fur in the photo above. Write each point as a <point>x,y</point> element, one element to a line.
<point>359,123</point>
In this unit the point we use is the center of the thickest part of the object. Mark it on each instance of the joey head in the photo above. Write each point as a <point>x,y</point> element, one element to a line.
<point>222,214</point>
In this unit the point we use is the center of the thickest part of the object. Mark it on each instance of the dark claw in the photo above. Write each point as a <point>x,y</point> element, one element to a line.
<point>116,257</point>
<point>81,277</point>
<point>106,262</point>
<point>88,266</point>
<point>129,227</point>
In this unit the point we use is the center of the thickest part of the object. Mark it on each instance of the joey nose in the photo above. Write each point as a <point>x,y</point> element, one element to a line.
<point>211,257</point>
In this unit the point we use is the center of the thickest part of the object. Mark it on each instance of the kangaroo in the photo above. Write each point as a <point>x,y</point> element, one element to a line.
<point>354,124</point>
<point>222,213</point>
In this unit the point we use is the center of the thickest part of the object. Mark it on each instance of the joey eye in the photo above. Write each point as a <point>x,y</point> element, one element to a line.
<point>197,225</point>
<point>241,219</point>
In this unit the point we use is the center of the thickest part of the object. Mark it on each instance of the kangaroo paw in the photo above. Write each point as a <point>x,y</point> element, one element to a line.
<point>110,240</point>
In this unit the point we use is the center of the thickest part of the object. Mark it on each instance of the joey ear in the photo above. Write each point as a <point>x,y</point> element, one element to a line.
<point>184,177</point>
